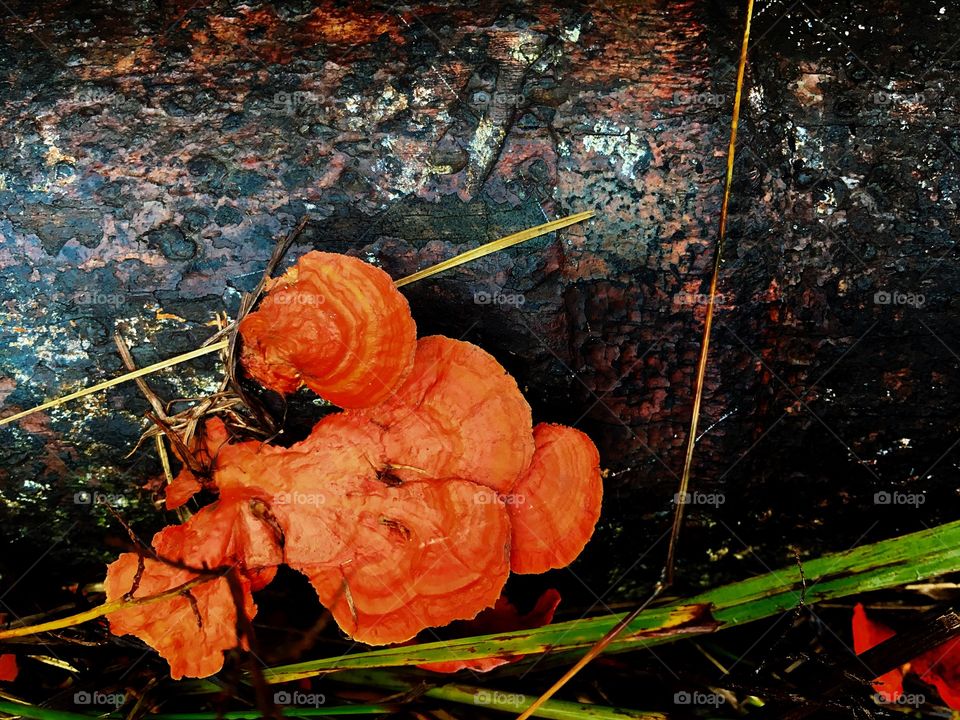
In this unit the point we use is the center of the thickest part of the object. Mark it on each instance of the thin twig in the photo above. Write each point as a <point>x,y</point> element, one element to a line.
<point>146,551</point>
<point>711,303</point>
<point>127,357</point>
<point>107,608</point>
<point>164,457</point>
<point>496,246</point>
<point>142,372</point>
<point>245,630</point>
<point>216,342</point>
<point>595,650</point>
<point>666,578</point>
<point>159,417</point>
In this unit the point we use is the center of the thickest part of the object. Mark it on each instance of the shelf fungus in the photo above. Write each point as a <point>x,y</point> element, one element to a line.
<point>313,328</point>
<point>557,502</point>
<point>459,414</point>
<point>407,510</point>
<point>423,554</point>
<point>192,629</point>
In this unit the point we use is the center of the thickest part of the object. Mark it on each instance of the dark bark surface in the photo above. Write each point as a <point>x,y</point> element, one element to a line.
<point>153,152</point>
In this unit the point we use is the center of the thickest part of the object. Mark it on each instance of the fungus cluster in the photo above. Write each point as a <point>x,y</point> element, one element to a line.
<point>406,510</point>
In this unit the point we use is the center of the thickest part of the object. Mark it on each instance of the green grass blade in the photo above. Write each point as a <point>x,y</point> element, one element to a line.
<point>288,712</point>
<point>38,713</point>
<point>884,564</point>
<point>488,699</point>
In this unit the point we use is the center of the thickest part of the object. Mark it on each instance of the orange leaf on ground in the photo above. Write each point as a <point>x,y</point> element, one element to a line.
<point>940,667</point>
<point>868,633</point>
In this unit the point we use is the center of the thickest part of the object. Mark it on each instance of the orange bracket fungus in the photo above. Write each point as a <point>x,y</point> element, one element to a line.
<point>424,554</point>
<point>557,503</point>
<point>335,324</point>
<point>406,511</point>
<point>204,448</point>
<point>191,630</point>
<point>459,414</point>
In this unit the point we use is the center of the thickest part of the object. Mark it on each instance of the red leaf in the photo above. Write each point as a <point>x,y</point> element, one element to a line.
<point>940,667</point>
<point>8,667</point>
<point>867,634</point>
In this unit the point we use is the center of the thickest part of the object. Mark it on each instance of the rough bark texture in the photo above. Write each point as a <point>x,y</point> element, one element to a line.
<point>152,152</point>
